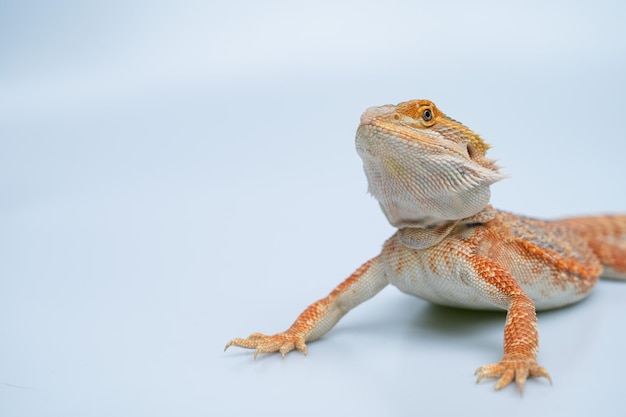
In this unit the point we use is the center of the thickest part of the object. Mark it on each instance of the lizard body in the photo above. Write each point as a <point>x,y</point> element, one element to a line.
<point>431,177</point>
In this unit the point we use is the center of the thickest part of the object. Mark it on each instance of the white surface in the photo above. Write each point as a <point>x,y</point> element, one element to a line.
<point>175,175</point>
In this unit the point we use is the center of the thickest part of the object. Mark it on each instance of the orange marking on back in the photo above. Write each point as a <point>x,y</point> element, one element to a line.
<point>606,235</point>
<point>586,271</point>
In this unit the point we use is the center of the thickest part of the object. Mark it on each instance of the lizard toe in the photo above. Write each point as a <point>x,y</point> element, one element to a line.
<point>283,343</point>
<point>509,370</point>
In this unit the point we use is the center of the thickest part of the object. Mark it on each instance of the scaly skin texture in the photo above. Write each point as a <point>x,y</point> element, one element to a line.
<point>431,177</point>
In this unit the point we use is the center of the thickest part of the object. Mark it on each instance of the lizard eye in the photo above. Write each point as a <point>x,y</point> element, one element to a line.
<point>427,115</point>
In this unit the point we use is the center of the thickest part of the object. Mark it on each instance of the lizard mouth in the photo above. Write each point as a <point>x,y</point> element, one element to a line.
<point>412,137</point>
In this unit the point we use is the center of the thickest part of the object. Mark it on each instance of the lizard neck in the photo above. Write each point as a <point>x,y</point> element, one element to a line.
<point>424,237</point>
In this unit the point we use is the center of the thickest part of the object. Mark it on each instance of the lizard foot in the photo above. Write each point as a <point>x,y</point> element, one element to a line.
<point>281,342</point>
<point>512,369</point>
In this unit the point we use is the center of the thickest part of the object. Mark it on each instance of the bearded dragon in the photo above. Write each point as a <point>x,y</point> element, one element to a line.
<point>431,177</point>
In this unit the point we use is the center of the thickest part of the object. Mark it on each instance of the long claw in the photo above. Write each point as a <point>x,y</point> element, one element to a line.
<point>508,370</point>
<point>281,342</point>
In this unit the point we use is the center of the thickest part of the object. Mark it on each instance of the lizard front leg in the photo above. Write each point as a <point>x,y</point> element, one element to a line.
<point>321,316</point>
<point>521,337</point>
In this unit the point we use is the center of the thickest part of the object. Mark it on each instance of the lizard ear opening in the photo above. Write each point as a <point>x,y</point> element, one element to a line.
<point>471,151</point>
<point>477,155</point>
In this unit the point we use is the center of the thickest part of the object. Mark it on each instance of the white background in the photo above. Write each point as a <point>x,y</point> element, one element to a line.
<point>173,175</point>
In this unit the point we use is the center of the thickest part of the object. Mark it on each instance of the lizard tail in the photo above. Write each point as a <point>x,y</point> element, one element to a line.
<point>606,235</point>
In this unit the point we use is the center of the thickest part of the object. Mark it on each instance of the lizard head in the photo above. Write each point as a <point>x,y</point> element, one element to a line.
<point>423,167</point>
